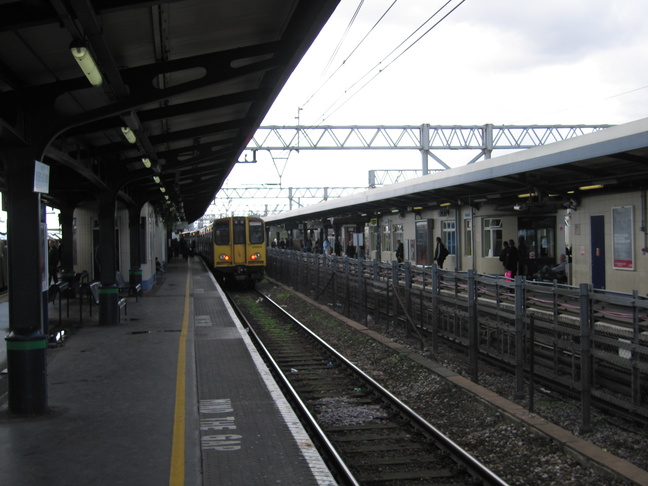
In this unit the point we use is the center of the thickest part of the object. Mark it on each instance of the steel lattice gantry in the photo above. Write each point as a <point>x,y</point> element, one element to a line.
<point>424,138</point>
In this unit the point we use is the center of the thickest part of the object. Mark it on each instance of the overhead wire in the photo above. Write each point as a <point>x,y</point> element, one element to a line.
<point>350,54</point>
<point>327,113</point>
<point>346,32</point>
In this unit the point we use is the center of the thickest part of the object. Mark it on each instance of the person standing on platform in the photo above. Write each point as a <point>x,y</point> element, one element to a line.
<point>440,252</point>
<point>400,252</point>
<point>350,250</point>
<point>512,259</point>
<point>53,261</point>
<point>326,247</point>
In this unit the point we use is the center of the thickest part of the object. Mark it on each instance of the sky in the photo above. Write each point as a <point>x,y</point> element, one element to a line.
<point>517,62</point>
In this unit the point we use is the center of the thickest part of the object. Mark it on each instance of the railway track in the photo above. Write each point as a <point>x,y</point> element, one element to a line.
<point>371,436</point>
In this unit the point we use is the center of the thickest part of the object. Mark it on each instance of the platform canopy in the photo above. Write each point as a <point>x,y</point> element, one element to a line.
<point>182,83</point>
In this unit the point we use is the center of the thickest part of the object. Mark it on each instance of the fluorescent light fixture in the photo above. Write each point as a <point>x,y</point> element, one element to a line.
<point>86,63</point>
<point>531,194</point>
<point>166,196</point>
<point>594,186</point>
<point>162,189</point>
<point>417,208</point>
<point>394,210</point>
<point>147,162</point>
<point>156,179</point>
<point>445,204</point>
<point>129,134</point>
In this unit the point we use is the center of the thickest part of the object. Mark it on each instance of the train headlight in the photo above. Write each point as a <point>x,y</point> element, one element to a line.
<point>224,257</point>
<point>255,256</point>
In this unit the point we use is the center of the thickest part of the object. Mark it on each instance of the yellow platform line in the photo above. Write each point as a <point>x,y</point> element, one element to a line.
<point>177,474</point>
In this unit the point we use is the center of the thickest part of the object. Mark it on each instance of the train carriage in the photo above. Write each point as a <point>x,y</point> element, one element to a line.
<point>235,249</point>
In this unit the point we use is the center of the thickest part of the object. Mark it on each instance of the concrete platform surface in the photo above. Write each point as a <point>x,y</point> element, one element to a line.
<point>174,395</point>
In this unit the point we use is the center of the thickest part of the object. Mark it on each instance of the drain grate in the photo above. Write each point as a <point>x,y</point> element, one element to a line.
<point>202,321</point>
<point>159,330</point>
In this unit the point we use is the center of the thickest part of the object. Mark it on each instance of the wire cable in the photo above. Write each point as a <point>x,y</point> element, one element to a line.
<point>327,113</point>
<point>348,57</point>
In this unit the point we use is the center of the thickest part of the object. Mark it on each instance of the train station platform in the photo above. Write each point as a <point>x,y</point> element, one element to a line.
<point>175,394</point>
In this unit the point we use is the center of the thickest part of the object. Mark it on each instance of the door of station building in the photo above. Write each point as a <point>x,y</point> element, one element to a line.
<point>537,242</point>
<point>424,248</point>
<point>597,245</point>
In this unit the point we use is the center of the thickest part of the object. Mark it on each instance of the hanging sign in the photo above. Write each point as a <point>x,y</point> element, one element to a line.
<point>41,177</point>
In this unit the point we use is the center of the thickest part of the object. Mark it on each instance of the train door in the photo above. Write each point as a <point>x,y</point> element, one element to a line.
<point>597,244</point>
<point>239,231</point>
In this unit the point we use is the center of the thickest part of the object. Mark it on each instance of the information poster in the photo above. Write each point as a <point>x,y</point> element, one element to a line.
<point>623,241</point>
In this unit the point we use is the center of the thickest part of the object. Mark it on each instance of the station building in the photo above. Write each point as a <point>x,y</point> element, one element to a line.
<point>584,197</point>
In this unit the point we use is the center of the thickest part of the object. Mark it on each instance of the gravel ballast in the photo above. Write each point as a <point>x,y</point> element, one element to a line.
<point>509,448</point>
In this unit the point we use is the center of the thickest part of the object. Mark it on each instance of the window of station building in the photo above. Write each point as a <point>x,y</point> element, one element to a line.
<point>449,237</point>
<point>256,232</point>
<point>221,232</point>
<point>468,237</point>
<point>492,240</point>
<point>397,234</point>
<point>386,238</point>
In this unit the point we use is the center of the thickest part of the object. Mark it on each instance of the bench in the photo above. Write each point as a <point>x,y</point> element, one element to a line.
<point>128,288</point>
<point>121,283</point>
<point>92,290</point>
<point>121,303</point>
<point>136,290</point>
<point>58,289</point>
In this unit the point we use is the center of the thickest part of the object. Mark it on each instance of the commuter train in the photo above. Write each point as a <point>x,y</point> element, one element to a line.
<point>234,248</point>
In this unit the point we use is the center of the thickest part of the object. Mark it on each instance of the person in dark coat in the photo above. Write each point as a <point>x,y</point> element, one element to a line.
<point>350,250</point>
<point>400,252</point>
<point>523,253</point>
<point>503,253</point>
<point>53,261</point>
<point>512,259</point>
<point>440,252</point>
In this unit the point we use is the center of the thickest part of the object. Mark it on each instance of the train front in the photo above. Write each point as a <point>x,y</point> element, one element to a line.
<point>239,249</point>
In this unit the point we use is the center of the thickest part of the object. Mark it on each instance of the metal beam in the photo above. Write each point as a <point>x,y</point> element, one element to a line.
<point>424,138</point>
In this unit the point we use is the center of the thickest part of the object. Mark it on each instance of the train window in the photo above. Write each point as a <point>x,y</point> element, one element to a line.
<point>492,237</point>
<point>221,232</point>
<point>256,232</point>
<point>239,232</point>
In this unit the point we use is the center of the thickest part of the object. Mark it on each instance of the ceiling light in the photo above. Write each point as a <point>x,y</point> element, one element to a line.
<point>587,188</point>
<point>531,194</point>
<point>156,179</point>
<point>129,134</point>
<point>87,64</point>
<point>147,162</point>
<point>445,204</point>
<point>162,189</point>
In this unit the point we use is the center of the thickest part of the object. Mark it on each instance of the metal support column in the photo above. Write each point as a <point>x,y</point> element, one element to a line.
<point>108,291</point>
<point>135,272</point>
<point>26,342</point>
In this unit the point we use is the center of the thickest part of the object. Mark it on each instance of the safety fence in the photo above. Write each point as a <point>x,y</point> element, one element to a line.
<point>590,343</point>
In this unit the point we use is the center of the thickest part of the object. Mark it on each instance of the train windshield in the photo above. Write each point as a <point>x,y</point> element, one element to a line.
<point>221,232</point>
<point>256,232</point>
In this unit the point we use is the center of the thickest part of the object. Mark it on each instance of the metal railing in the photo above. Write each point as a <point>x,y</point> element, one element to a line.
<point>591,343</point>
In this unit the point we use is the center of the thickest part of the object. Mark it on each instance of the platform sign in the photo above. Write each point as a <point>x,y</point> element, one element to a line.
<point>41,177</point>
<point>623,241</point>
